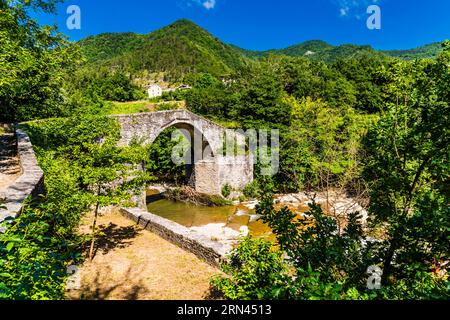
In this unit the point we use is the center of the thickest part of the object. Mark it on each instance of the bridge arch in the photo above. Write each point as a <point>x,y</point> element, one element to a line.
<point>201,148</point>
<point>210,173</point>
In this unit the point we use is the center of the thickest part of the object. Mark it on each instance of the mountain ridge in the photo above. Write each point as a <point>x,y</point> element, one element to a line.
<point>184,46</point>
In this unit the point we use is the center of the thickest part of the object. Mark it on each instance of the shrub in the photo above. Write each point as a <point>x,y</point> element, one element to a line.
<point>226,190</point>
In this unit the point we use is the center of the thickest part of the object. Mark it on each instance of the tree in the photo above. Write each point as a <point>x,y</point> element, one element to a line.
<point>33,63</point>
<point>364,74</point>
<point>315,260</point>
<point>81,162</point>
<point>260,94</point>
<point>320,149</point>
<point>407,165</point>
<point>406,155</point>
<point>106,172</point>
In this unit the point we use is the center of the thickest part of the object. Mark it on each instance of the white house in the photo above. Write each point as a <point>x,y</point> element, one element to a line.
<point>154,91</point>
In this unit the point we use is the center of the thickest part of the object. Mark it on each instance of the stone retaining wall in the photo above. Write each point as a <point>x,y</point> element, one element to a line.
<point>30,183</point>
<point>210,251</point>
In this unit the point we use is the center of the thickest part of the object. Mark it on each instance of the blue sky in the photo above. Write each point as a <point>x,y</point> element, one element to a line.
<point>266,24</point>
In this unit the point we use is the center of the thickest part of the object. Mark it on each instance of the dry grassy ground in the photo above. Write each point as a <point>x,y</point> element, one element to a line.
<point>134,264</point>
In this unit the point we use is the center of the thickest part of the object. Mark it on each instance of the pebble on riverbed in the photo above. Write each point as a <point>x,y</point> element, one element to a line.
<point>219,232</point>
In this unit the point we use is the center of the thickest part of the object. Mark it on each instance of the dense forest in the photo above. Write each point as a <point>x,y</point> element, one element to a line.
<point>372,123</point>
<point>193,49</point>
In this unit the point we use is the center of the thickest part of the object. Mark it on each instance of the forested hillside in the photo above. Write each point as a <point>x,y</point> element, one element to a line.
<point>184,47</point>
<point>178,49</point>
<point>323,51</point>
<point>109,45</point>
<point>427,51</point>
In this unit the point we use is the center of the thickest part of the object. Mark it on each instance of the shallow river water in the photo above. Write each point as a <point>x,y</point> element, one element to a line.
<point>228,224</point>
<point>210,220</point>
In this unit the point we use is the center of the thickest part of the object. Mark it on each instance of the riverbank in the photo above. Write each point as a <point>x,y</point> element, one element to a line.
<point>134,264</point>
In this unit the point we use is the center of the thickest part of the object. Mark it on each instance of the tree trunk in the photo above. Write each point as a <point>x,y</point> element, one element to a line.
<point>387,265</point>
<point>94,225</point>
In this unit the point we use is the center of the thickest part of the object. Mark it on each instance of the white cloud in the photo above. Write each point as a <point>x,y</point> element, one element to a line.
<point>344,11</point>
<point>353,8</point>
<point>207,4</point>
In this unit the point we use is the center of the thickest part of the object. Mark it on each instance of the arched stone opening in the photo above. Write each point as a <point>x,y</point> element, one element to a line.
<point>210,167</point>
<point>198,149</point>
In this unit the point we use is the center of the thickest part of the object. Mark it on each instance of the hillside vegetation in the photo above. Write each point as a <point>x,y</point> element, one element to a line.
<point>427,51</point>
<point>184,47</point>
<point>178,49</point>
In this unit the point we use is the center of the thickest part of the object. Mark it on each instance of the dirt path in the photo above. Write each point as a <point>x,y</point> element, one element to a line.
<point>9,161</point>
<point>134,264</point>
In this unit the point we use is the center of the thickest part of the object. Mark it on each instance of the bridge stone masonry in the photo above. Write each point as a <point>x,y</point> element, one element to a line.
<point>209,169</point>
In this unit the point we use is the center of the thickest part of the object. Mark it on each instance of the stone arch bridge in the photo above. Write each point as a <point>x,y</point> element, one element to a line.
<point>210,169</point>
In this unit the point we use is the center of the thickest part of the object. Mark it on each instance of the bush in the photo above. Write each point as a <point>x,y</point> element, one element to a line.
<point>226,190</point>
<point>256,270</point>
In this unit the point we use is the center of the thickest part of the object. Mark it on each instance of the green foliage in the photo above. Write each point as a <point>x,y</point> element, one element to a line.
<point>323,111</point>
<point>102,85</point>
<point>109,45</point>
<point>212,101</point>
<point>260,98</point>
<point>160,153</point>
<point>425,52</point>
<point>226,190</point>
<point>253,96</point>
<point>252,190</point>
<point>406,156</point>
<point>319,261</point>
<point>128,107</point>
<point>365,75</point>
<point>320,148</point>
<point>322,51</point>
<point>81,160</point>
<point>257,272</point>
<point>191,50</point>
<point>312,104</point>
<point>201,80</point>
<point>319,243</point>
<point>322,261</point>
<point>189,195</point>
<point>33,62</point>
<point>306,48</point>
<point>259,187</point>
<point>407,163</point>
<point>36,250</point>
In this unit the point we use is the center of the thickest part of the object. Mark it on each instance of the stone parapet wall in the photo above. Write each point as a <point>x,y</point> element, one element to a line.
<point>30,183</point>
<point>210,251</point>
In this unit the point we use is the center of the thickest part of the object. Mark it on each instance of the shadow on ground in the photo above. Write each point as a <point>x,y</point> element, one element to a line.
<point>99,289</point>
<point>114,237</point>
